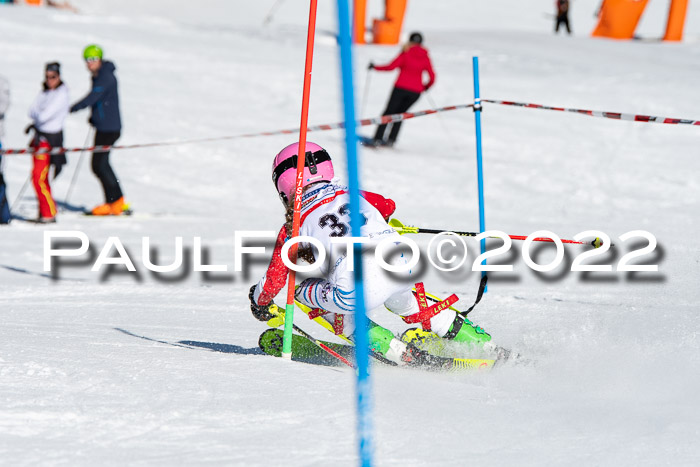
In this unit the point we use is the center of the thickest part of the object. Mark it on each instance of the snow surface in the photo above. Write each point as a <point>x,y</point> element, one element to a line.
<point>163,369</point>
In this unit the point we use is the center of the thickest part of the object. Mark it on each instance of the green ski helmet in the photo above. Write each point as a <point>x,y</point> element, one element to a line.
<point>92,51</point>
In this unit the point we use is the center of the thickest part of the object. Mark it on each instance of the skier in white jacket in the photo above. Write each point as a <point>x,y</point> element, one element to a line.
<point>48,112</point>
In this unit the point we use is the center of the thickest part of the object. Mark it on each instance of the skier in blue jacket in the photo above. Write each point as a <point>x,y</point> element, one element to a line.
<point>104,101</point>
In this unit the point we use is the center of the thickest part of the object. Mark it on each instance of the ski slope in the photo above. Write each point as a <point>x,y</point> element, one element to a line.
<point>114,368</point>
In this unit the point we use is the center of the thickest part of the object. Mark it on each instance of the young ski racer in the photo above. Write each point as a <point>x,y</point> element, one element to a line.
<point>325,215</point>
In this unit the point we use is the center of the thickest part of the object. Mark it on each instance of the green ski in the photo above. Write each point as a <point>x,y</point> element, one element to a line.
<point>303,349</point>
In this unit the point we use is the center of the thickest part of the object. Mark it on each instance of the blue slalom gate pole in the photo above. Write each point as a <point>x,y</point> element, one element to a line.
<point>479,163</point>
<point>364,406</point>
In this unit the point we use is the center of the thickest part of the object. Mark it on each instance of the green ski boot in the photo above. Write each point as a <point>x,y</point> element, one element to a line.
<point>383,342</point>
<point>463,330</point>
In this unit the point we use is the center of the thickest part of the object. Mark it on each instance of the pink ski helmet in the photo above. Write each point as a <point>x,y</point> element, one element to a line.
<point>318,167</point>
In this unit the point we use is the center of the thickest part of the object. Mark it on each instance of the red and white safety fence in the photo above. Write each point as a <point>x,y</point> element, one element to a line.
<point>374,121</point>
<point>603,114</point>
<point>330,126</point>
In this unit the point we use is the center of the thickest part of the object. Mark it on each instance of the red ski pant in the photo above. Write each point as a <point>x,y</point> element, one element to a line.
<point>40,178</point>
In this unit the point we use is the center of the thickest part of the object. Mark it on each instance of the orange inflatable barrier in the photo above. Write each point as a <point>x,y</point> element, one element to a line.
<point>33,2</point>
<point>384,31</point>
<point>388,30</point>
<point>676,20</point>
<point>359,16</point>
<point>619,18</point>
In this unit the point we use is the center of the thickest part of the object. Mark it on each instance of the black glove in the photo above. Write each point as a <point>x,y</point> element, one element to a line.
<point>29,128</point>
<point>370,66</point>
<point>58,161</point>
<point>261,312</point>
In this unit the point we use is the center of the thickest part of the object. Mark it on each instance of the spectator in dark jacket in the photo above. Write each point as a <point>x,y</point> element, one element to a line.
<point>104,101</point>
<point>412,62</point>
<point>4,104</point>
<point>562,15</point>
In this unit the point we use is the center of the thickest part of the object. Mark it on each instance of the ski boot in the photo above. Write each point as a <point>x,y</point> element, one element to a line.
<point>383,342</point>
<point>460,330</point>
<point>261,312</point>
<point>115,208</point>
<point>463,330</point>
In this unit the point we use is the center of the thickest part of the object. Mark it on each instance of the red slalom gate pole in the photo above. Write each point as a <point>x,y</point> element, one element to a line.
<point>301,158</point>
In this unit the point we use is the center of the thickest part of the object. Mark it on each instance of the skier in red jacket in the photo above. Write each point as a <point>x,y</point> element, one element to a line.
<point>412,62</point>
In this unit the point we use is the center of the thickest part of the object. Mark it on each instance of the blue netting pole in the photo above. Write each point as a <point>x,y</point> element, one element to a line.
<point>364,406</point>
<point>479,164</point>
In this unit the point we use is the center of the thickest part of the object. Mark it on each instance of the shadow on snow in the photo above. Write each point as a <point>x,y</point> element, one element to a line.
<point>318,360</point>
<point>213,346</point>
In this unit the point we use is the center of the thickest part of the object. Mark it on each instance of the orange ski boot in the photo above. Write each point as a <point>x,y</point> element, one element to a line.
<point>109,209</point>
